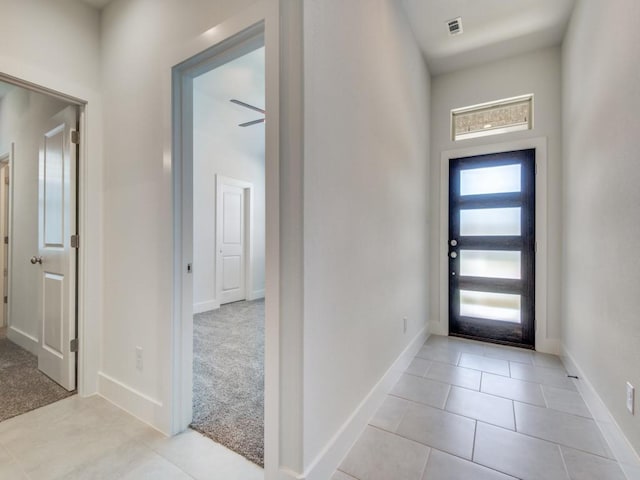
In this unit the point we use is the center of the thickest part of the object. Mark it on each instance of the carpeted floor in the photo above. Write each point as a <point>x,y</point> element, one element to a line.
<point>228,377</point>
<point>22,386</point>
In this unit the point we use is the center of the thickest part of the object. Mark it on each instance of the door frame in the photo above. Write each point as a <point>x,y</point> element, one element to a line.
<point>247,189</point>
<point>5,222</point>
<point>486,329</point>
<point>89,218</point>
<point>542,342</point>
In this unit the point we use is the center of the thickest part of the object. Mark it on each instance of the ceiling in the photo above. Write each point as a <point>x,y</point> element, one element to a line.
<point>492,29</point>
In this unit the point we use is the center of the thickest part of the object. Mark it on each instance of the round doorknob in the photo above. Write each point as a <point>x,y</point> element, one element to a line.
<point>35,260</point>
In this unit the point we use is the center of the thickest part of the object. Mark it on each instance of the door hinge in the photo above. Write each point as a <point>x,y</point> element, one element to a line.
<point>535,247</point>
<point>536,168</point>
<point>6,180</point>
<point>6,240</point>
<point>75,241</point>
<point>75,137</point>
<point>73,345</point>
<point>6,299</point>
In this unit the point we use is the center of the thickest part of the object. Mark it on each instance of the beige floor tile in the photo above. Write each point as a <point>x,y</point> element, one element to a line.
<point>438,429</point>
<point>508,353</point>
<point>485,364</point>
<point>583,466</point>
<point>418,366</point>
<point>459,376</point>
<point>439,354</point>
<point>380,455</point>
<point>548,376</point>
<point>528,392</point>
<point>518,455</point>
<point>390,413</point>
<point>199,456</point>
<point>559,427</point>
<point>342,476</point>
<point>421,390</point>
<point>480,406</point>
<point>547,360</point>
<point>10,470</point>
<point>565,401</point>
<point>442,466</point>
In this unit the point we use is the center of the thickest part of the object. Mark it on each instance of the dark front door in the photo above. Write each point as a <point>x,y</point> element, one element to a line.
<point>492,247</point>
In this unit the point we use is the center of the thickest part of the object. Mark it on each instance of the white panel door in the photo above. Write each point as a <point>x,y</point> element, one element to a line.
<point>56,259</point>
<point>230,234</point>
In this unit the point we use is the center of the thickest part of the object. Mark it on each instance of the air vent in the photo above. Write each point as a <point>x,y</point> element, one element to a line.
<point>455,26</point>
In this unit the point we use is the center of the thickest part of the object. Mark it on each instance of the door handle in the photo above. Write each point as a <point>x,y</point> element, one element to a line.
<point>35,260</point>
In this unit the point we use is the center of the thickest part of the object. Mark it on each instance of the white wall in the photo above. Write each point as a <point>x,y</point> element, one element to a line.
<point>601,265</point>
<point>538,73</point>
<point>139,38</point>
<point>56,45</point>
<point>23,118</point>
<point>221,147</point>
<point>366,214</point>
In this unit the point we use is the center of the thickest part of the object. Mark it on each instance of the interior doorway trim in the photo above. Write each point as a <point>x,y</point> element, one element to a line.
<point>441,327</point>
<point>89,254</point>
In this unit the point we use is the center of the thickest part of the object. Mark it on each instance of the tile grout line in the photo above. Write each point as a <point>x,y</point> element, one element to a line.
<point>473,445</point>
<point>564,463</point>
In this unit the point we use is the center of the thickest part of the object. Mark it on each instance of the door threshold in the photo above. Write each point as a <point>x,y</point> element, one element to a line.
<point>496,342</point>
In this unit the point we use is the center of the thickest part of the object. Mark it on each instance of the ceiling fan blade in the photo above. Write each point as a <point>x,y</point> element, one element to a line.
<point>253,122</point>
<point>246,105</point>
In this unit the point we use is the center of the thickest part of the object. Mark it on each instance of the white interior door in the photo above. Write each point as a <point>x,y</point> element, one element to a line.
<point>56,258</point>
<point>230,236</point>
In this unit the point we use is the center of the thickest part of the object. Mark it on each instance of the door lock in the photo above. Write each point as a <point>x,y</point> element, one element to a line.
<point>35,260</point>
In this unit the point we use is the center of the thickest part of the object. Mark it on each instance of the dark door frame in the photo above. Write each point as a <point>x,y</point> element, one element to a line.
<point>439,324</point>
<point>519,334</point>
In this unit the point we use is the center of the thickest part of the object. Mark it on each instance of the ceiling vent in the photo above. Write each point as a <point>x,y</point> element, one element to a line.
<point>455,26</point>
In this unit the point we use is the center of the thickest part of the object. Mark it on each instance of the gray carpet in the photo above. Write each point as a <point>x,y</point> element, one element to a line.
<point>22,386</point>
<point>228,377</point>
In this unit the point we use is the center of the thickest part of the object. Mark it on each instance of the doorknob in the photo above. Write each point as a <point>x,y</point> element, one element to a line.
<point>35,260</point>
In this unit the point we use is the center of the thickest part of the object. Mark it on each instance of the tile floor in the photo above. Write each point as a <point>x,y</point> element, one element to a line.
<point>468,410</point>
<point>92,439</point>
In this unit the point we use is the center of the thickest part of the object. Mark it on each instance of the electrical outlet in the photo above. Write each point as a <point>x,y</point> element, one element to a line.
<point>404,323</point>
<point>631,393</point>
<point>139,363</point>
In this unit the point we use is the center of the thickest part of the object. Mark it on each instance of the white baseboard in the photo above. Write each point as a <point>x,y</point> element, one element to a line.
<point>438,328</point>
<point>548,345</point>
<point>329,459</point>
<point>23,339</point>
<point>618,443</point>
<point>256,294</point>
<point>141,406</point>
<point>207,306</point>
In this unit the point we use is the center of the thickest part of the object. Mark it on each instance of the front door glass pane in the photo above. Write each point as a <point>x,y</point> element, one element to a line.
<point>480,181</point>
<point>490,264</point>
<point>490,221</point>
<point>503,307</point>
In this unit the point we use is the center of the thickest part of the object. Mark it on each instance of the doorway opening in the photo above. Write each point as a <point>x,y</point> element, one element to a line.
<point>492,247</point>
<point>223,135</point>
<point>39,154</point>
